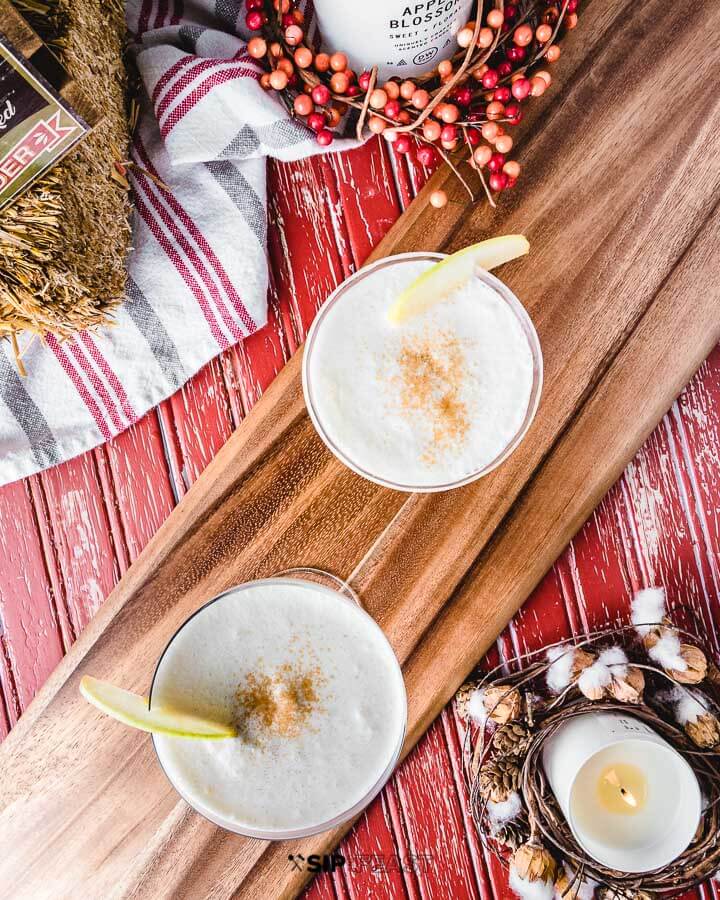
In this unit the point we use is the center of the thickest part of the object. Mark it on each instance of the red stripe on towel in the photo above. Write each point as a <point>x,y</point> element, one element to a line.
<point>179,264</point>
<point>80,386</point>
<point>110,376</point>
<point>199,239</point>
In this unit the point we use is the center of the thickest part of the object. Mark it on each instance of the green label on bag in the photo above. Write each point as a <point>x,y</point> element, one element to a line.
<point>37,127</point>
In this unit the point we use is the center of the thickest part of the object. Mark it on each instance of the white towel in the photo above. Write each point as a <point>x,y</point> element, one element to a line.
<point>197,274</point>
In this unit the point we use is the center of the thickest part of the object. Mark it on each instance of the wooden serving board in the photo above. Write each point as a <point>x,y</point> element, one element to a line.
<point>619,202</point>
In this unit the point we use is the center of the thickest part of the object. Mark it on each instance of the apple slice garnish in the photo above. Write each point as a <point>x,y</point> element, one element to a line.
<point>133,710</point>
<point>453,272</point>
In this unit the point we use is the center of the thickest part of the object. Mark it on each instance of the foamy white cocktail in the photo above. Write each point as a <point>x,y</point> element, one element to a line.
<point>430,403</point>
<point>316,692</point>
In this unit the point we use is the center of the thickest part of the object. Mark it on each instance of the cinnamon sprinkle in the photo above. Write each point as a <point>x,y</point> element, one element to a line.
<point>280,704</point>
<point>431,376</point>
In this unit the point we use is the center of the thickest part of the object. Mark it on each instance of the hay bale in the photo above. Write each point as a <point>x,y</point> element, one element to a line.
<point>63,242</point>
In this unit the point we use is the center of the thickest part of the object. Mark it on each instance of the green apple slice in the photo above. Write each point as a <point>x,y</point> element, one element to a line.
<point>132,709</point>
<point>453,272</point>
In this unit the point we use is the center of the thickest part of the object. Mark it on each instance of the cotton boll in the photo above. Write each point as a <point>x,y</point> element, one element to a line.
<point>648,609</point>
<point>609,664</point>
<point>559,675</point>
<point>594,680</point>
<point>476,707</point>
<point>531,890</point>
<point>504,810</point>
<point>615,659</point>
<point>667,652</point>
<point>688,708</point>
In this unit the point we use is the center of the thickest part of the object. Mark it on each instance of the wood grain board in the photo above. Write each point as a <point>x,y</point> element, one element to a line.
<point>662,240</point>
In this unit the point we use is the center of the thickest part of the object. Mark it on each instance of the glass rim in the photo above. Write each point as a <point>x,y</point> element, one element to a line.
<point>529,331</point>
<point>300,832</point>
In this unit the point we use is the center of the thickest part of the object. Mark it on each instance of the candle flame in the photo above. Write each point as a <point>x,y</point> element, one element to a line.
<point>612,778</point>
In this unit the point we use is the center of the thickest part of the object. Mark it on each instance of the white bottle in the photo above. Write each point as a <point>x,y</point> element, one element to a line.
<point>402,38</point>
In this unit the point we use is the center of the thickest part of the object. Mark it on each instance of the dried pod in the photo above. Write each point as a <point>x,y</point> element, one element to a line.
<point>592,690</point>
<point>462,698</point>
<point>652,637</point>
<point>502,703</point>
<point>581,660</point>
<point>566,888</point>
<point>713,674</point>
<point>704,732</point>
<point>512,739</point>
<point>498,779</point>
<point>532,862</point>
<point>696,662</point>
<point>510,834</point>
<point>628,689</point>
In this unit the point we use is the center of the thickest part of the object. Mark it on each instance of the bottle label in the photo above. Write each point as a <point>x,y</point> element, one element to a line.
<point>37,127</point>
<point>422,31</point>
<point>403,39</point>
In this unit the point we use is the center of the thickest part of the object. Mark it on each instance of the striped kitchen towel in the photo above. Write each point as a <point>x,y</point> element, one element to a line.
<point>197,274</point>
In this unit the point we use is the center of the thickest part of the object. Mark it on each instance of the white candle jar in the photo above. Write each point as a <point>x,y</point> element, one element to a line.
<point>577,758</point>
<point>402,38</point>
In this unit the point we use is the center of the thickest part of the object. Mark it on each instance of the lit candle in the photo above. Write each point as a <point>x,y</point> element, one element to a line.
<point>631,800</point>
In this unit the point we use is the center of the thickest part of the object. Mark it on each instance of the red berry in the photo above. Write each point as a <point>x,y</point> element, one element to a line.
<point>572,7</point>
<point>320,94</point>
<point>402,143</point>
<point>476,114</point>
<point>254,4</point>
<point>463,95</point>
<point>316,121</point>
<point>520,88</point>
<point>472,137</point>
<point>490,79</point>
<point>288,19</point>
<point>513,113</point>
<point>504,69</point>
<point>449,133</point>
<point>498,181</point>
<point>510,12</point>
<point>353,90</point>
<point>325,138</point>
<point>392,110</point>
<point>496,162</point>
<point>427,155</point>
<point>511,182</point>
<point>254,20</point>
<point>502,94</point>
<point>364,80</point>
<point>516,54</point>
<point>523,35</point>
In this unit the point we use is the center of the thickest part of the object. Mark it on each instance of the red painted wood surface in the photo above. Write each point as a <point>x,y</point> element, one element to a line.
<point>67,535</point>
